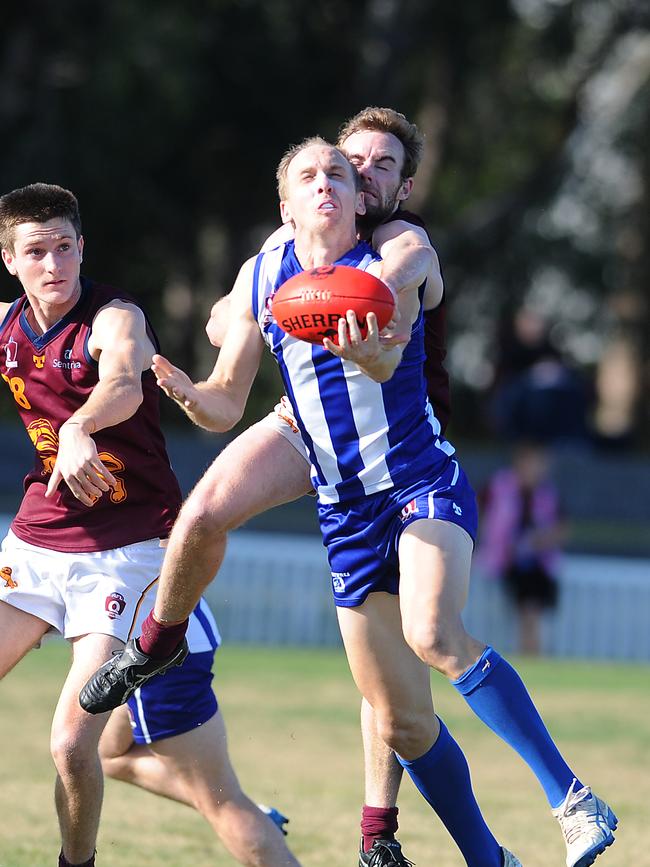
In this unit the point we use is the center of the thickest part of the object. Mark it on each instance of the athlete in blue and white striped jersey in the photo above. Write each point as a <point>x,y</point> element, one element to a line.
<point>362,531</point>
<point>399,539</point>
<point>362,436</point>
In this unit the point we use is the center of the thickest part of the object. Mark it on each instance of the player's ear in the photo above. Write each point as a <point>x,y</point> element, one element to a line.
<point>285,211</point>
<point>80,247</point>
<point>405,189</point>
<point>8,259</point>
<point>360,208</point>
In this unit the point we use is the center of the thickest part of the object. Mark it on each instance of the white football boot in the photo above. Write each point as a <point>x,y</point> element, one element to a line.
<point>587,824</point>
<point>510,860</point>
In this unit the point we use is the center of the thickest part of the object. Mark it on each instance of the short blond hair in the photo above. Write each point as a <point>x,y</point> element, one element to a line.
<point>294,150</point>
<point>394,122</point>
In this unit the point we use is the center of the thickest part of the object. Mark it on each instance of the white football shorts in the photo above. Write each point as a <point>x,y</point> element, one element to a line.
<point>106,592</point>
<point>282,420</point>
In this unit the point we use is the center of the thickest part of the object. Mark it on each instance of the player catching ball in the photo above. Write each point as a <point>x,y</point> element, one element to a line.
<point>404,509</point>
<point>319,193</point>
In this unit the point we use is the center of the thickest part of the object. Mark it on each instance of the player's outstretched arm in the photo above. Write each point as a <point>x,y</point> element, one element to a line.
<point>218,403</point>
<point>408,259</point>
<point>120,344</point>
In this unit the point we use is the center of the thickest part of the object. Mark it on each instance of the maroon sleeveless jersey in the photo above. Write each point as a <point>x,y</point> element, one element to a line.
<point>435,341</point>
<point>50,376</point>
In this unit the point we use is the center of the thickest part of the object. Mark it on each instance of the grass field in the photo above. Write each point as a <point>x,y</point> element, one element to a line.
<point>292,716</point>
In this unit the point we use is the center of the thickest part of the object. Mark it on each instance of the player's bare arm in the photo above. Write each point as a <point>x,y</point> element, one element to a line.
<point>122,349</point>
<point>407,258</point>
<point>218,403</point>
<point>217,324</point>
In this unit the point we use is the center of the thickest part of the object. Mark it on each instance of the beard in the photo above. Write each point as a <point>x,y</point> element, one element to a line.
<point>376,213</point>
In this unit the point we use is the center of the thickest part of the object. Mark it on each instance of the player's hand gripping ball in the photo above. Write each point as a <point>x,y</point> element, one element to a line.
<point>309,305</point>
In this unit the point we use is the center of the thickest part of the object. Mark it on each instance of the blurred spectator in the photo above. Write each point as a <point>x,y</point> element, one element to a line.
<point>537,395</point>
<point>522,529</point>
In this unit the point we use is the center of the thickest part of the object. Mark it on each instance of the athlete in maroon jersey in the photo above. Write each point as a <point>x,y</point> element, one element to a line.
<point>87,543</point>
<point>52,375</point>
<point>229,494</point>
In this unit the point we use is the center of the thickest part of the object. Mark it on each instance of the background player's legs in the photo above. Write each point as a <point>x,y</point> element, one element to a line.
<point>383,773</point>
<point>256,471</point>
<point>397,685</point>
<point>20,633</point>
<point>382,778</point>
<point>194,768</point>
<point>75,735</point>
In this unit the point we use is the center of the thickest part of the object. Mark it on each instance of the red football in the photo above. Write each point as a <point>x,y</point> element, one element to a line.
<point>309,305</point>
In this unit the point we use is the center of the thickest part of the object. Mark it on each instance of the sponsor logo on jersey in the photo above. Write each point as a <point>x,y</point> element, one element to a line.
<point>115,604</point>
<point>409,509</point>
<point>5,574</point>
<point>457,509</point>
<point>39,361</point>
<point>338,581</point>
<point>11,350</point>
<point>67,362</point>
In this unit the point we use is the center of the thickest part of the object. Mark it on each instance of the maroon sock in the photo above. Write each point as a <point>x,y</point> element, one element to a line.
<point>63,861</point>
<point>378,823</point>
<point>160,640</point>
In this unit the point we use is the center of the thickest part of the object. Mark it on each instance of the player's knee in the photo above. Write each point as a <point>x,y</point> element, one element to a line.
<point>407,734</point>
<point>73,754</point>
<point>204,517</point>
<point>436,644</point>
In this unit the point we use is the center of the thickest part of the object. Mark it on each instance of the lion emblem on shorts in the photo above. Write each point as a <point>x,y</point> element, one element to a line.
<point>5,574</point>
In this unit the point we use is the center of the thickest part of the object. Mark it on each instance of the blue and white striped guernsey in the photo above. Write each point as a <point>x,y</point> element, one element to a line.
<point>362,436</point>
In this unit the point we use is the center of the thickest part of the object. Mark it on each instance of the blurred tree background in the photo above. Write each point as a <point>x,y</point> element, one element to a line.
<point>167,120</point>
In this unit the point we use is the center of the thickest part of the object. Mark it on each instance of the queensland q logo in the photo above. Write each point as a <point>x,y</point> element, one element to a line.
<point>115,605</point>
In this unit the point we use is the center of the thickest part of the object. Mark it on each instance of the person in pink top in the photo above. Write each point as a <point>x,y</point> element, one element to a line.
<point>523,531</point>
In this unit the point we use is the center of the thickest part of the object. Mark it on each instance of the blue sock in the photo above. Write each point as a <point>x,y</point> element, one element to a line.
<point>497,695</point>
<point>442,777</point>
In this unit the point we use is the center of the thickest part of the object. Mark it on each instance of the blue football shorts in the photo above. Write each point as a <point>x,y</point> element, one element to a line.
<point>175,702</point>
<point>362,536</point>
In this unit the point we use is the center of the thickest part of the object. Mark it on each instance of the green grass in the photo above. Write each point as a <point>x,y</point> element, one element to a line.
<point>292,716</point>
